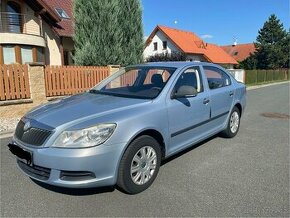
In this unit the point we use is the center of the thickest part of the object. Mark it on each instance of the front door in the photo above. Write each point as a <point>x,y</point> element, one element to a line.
<point>188,116</point>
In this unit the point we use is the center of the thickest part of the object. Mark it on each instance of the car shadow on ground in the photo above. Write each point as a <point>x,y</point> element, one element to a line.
<point>190,148</point>
<point>100,190</point>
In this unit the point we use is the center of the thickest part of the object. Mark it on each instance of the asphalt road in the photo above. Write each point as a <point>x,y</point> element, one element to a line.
<point>244,176</point>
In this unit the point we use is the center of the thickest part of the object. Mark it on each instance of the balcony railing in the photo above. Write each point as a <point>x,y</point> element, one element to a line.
<point>20,23</point>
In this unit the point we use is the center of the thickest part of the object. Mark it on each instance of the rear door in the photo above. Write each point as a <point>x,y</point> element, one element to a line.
<point>221,93</point>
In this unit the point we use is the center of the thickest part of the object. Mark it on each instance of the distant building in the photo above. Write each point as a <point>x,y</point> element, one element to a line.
<point>165,39</point>
<point>38,31</point>
<point>240,51</point>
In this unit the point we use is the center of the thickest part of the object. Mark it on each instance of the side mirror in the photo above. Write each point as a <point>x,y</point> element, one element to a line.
<point>185,92</point>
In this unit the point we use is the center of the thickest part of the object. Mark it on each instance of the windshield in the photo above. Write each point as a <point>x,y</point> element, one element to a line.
<point>137,82</point>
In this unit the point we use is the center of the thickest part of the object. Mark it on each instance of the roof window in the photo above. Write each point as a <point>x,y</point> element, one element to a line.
<point>62,13</point>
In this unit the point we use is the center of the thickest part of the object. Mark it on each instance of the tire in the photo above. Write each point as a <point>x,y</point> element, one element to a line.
<point>136,175</point>
<point>233,125</point>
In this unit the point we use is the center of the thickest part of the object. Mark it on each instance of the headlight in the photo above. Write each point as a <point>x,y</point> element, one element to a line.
<point>83,138</point>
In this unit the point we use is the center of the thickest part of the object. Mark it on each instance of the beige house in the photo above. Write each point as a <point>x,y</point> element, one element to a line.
<point>36,31</point>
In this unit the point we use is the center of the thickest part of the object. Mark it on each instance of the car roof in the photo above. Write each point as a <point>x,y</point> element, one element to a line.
<point>176,64</point>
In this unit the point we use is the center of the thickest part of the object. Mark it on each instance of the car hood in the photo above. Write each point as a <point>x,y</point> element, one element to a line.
<point>81,106</point>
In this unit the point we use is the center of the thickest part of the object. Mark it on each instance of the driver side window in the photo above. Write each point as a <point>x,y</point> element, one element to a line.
<point>190,77</point>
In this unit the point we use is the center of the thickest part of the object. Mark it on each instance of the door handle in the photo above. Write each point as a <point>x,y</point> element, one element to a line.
<point>205,101</point>
<point>231,93</point>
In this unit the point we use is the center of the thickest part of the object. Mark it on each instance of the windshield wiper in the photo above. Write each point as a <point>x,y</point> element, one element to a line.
<point>118,94</point>
<point>94,91</point>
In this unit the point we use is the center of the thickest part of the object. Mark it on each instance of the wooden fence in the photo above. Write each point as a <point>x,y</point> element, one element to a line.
<point>68,80</point>
<point>14,82</point>
<point>262,76</point>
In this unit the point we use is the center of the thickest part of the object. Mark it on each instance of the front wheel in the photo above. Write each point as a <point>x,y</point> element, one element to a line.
<point>139,165</point>
<point>233,124</point>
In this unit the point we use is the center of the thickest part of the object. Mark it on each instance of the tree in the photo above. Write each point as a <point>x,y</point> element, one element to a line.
<point>101,36</point>
<point>249,63</point>
<point>130,20</point>
<point>272,45</point>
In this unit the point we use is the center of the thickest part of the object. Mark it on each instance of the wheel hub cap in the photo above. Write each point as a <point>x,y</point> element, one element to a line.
<point>234,122</point>
<point>143,165</point>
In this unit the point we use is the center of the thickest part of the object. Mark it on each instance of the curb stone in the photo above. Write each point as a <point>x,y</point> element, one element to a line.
<point>6,134</point>
<point>266,85</point>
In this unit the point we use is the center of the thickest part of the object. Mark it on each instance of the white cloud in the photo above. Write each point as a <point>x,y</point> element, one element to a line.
<point>206,36</point>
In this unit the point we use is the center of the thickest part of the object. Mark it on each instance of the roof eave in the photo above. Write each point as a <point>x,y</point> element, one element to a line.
<point>52,13</point>
<point>41,8</point>
<point>149,39</point>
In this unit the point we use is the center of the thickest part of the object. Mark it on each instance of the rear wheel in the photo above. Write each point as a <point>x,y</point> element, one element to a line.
<point>233,124</point>
<point>139,165</point>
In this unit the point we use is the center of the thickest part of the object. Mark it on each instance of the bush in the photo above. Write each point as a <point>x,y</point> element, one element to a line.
<point>174,56</point>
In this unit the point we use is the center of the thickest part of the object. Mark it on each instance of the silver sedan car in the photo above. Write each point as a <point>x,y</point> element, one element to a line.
<point>119,131</point>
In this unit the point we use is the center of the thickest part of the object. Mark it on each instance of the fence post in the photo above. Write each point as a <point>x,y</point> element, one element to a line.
<point>113,69</point>
<point>37,83</point>
<point>256,81</point>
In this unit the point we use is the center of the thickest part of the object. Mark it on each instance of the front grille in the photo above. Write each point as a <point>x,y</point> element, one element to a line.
<point>33,136</point>
<point>35,171</point>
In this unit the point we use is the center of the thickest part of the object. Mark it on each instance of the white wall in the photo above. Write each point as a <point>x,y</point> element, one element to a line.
<point>52,50</point>
<point>239,74</point>
<point>159,38</point>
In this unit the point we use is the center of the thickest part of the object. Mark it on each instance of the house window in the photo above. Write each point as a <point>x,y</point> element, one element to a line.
<point>26,54</point>
<point>21,54</point>
<point>155,46</point>
<point>164,43</point>
<point>62,13</point>
<point>236,53</point>
<point>39,55</point>
<point>9,54</point>
<point>14,19</point>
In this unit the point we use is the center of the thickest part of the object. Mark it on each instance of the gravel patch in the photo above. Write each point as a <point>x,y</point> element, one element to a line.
<point>7,124</point>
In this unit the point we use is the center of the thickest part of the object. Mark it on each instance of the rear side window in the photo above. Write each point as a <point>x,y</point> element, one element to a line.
<point>216,77</point>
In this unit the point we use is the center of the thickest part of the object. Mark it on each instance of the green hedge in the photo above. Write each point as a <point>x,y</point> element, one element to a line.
<point>262,76</point>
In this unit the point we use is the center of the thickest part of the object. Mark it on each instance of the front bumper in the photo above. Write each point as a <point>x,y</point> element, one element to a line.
<point>88,167</point>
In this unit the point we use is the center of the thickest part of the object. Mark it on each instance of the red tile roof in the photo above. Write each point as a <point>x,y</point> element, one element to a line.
<point>217,55</point>
<point>65,26</point>
<point>190,43</point>
<point>240,52</point>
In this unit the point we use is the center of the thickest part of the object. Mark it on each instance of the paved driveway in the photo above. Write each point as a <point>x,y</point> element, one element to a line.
<point>244,176</point>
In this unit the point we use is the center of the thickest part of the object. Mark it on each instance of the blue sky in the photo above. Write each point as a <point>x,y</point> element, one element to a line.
<point>217,21</point>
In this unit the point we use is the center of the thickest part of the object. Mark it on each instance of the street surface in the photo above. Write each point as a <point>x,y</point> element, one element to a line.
<point>244,176</point>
